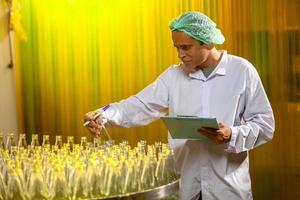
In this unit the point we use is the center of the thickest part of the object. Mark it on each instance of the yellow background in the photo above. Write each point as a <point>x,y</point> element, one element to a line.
<point>83,54</point>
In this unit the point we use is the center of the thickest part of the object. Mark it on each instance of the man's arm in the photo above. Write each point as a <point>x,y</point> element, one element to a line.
<point>258,126</point>
<point>137,110</point>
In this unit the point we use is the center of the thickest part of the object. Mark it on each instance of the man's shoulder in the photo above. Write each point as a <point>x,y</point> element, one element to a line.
<point>173,72</point>
<point>173,69</point>
<point>239,62</point>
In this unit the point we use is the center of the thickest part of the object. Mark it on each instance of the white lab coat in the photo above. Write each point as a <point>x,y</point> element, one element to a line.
<point>234,94</point>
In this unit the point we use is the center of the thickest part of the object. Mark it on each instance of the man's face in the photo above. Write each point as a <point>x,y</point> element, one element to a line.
<point>190,51</point>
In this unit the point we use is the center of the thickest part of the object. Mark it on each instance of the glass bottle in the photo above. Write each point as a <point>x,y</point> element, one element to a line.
<point>2,146</point>
<point>54,149</point>
<point>70,141</point>
<point>46,142</point>
<point>97,142</point>
<point>83,142</point>
<point>37,188</point>
<point>11,144</point>
<point>22,144</point>
<point>10,141</point>
<point>58,141</point>
<point>170,165</point>
<point>35,141</point>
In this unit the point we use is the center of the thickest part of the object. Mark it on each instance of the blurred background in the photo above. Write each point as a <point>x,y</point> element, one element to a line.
<point>74,56</point>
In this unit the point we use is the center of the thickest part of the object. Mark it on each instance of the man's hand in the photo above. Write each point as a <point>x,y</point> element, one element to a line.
<point>93,121</point>
<point>220,136</point>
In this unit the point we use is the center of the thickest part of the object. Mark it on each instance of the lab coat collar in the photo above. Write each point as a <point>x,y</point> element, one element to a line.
<point>219,70</point>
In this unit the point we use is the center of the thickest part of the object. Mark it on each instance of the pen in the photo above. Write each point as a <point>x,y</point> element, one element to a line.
<point>99,112</point>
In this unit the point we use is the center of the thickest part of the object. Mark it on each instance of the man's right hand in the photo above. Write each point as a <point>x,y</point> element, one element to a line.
<point>95,120</point>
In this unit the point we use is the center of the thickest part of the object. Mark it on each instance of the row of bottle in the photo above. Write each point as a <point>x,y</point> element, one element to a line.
<point>22,143</point>
<point>72,171</point>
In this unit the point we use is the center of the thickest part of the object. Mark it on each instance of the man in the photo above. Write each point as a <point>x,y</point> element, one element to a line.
<point>207,83</point>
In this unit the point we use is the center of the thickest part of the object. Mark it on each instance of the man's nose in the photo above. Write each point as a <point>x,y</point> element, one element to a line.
<point>181,54</point>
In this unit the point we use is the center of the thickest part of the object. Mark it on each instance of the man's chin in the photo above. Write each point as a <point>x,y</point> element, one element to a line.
<point>188,68</point>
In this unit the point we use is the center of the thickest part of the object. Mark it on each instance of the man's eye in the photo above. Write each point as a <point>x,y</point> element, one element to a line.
<point>185,47</point>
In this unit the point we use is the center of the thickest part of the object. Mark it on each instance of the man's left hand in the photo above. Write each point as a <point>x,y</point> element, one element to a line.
<point>220,136</point>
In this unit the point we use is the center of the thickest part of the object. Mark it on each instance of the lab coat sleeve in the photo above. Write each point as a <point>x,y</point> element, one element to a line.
<point>142,108</point>
<point>259,125</point>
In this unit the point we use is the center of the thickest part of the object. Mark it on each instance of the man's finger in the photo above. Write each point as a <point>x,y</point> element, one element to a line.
<point>209,130</point>
<point>93,124</point>
<point>206,132</point>
<point>99,119</point>
<point>94,131</point>
<point>211,137</point>
<point>216,138</point>
<point>91,130</point>
<point>88,116</point>
<point>221,125</point>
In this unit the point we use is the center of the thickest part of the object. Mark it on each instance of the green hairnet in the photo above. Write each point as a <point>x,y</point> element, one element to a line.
<point>199,27</point>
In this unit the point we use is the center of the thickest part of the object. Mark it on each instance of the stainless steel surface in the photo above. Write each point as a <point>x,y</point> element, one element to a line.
<point>151,194</point>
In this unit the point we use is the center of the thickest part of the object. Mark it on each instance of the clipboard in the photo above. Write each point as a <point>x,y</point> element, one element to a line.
<point>185,127</point>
